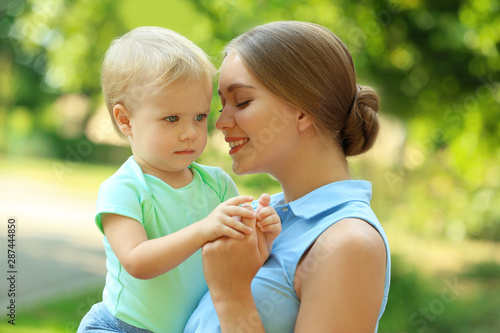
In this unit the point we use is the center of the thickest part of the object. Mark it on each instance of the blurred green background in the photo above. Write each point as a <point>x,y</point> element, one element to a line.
<point>435,168</point>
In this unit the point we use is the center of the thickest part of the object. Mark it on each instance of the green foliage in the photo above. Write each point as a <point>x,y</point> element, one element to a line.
<point>442,304</point>
<point>61,52</point>
<point>257,184</point>
<point>488,272</point>
<point>48,49</point>
<point>435,65</point>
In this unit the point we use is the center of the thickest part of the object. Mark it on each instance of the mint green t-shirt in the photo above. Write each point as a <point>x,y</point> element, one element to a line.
<point>164,303</point>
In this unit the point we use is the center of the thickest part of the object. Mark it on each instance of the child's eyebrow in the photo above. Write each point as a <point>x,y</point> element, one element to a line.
<point>184,113</point>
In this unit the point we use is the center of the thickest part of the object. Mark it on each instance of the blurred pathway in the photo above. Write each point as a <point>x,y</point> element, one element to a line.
<point>58,248</point>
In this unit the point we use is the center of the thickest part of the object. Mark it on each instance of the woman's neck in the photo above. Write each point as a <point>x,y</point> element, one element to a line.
<point>310,167</point>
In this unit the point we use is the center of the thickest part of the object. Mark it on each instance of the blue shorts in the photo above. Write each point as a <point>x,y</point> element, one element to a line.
<point>99,319</point>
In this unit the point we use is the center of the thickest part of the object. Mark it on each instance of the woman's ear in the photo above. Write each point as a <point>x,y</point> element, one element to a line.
<point>304,122</point>
<point>122,118</point>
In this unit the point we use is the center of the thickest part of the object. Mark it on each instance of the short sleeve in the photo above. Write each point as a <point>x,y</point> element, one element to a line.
<point>222,184</point>
<point>121,196</point>
<point>229,188</point>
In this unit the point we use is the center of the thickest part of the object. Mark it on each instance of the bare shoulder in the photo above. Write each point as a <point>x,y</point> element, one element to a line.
<point>352,234</point>
<point>340,279</point>
<point>348,244</point>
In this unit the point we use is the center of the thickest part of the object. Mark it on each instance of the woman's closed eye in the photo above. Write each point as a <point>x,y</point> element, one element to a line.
<point>245,103</point>
<point>240,105</point>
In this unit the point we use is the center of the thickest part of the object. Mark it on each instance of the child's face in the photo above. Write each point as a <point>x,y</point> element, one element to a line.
<point>169,131</point>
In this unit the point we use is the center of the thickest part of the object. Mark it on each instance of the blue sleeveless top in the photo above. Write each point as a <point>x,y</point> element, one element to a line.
<point>303,221</point>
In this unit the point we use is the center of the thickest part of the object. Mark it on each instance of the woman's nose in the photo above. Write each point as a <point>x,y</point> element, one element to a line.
<point>225,121</point>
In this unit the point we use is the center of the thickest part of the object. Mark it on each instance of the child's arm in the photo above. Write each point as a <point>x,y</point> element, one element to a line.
<point>146,259</point>
<point>268,221</point>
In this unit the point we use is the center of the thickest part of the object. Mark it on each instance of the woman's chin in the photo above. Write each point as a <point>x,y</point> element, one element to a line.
<point>237,168</point>
<point>242,168</point>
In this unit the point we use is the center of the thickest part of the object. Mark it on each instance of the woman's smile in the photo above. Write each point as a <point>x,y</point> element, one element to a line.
<point>236,144</point>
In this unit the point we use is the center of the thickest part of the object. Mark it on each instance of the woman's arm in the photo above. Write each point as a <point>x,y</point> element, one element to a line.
<point>340,281</point>
<point>145,258</point>
<point>229,266</point>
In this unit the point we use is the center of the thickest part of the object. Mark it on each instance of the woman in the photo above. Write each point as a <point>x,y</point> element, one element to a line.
<point>292,108</point>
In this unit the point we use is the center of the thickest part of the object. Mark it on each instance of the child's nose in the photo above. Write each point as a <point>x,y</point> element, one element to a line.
<point>189,133</point>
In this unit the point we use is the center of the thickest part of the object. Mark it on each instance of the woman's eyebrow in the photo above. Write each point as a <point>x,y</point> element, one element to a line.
<point>235,86</point>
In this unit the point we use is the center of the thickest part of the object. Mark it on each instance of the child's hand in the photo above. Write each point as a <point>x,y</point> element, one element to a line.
<point>225,220</point>
<point>268,220</point>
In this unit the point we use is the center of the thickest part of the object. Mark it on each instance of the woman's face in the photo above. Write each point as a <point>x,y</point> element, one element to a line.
<point>260,128</point>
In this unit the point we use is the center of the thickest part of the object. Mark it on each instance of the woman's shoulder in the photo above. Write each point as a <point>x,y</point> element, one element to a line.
<point>352,238</point>
<point>351,232</point>
<point>350,245</point>
<point>344,271</point>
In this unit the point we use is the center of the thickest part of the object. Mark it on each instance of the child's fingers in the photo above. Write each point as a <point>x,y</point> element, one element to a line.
<point>243,211</point>
<point>264,199</point>
<point>269,220</point>
<point>241,199</point>
<point>230,232</point>
<point>265,212</point>
<point>249,221</point>
<point>247,206</point>
<point>274,228</point>
<point>236,225</point>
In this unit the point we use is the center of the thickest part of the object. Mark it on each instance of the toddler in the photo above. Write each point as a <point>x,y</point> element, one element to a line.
<point>160,207</point>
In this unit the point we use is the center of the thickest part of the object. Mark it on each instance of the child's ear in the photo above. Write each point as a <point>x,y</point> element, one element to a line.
<point>122,118</point>
<point>303,122</point>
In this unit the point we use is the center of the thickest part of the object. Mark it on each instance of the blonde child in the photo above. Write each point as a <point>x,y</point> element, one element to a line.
<point>161,207</point>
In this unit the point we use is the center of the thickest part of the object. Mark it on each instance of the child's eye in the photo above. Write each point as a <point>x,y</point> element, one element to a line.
<point>200,117</point>
<point>172,119</point>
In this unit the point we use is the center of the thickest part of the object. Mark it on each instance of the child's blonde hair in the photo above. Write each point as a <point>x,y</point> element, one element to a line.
<point>145,61</point>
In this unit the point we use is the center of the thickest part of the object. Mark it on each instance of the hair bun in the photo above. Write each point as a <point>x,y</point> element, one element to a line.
<point>361,126</point>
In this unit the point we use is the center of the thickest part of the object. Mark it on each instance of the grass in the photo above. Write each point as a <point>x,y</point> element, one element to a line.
<point>60,315</point>
<point>77,177</point>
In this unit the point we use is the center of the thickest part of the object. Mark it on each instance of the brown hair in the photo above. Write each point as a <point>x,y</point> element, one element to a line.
<point>307,66</point>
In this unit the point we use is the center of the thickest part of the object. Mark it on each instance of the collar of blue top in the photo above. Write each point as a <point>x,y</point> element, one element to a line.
<point>325,198</point>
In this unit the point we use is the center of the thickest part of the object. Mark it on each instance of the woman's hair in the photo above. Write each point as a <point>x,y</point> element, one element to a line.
<point>145,61</point>
<point>308,67</point>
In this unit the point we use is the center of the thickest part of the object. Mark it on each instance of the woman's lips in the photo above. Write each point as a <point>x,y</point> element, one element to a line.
<point>236,144</point>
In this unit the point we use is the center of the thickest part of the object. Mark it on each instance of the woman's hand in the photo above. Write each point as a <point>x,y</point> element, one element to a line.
<point>229,266</point>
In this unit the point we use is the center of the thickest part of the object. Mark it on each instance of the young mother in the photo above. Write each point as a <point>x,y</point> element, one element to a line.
<point>292,108</point>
